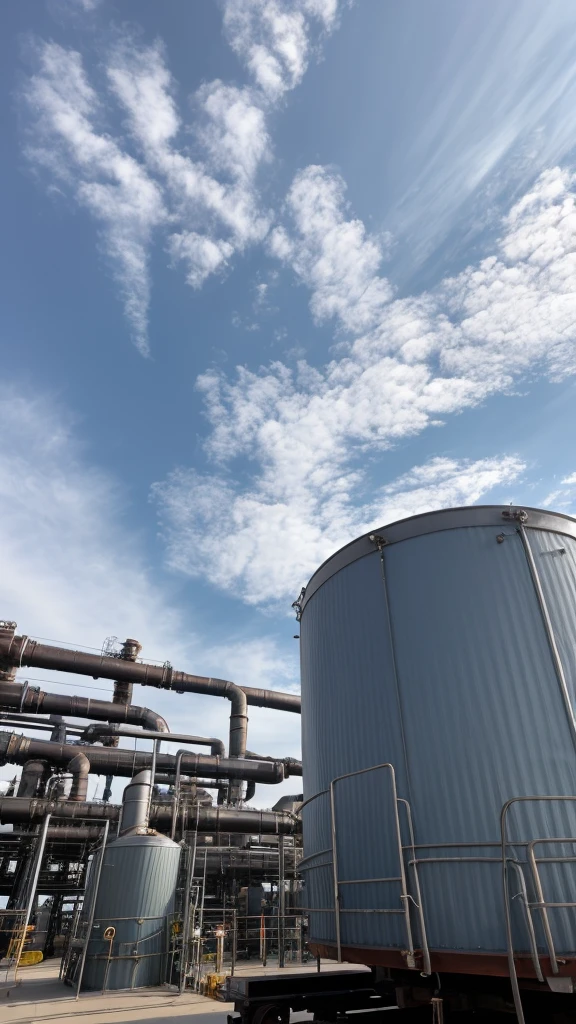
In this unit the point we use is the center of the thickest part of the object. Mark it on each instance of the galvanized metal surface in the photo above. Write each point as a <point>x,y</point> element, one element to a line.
<point>135,897</point>
<point>433,655</point>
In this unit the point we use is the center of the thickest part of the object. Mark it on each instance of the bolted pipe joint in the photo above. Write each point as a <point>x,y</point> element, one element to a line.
<point>79,768</point>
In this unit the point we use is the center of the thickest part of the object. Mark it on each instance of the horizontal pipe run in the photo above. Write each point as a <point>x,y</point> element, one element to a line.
<point>28,722</point>
<point>92,733</point>
<point>63,833</point>
<point>291,765</point>
<point>21,697</point>
<point>17,810</point>
<point>16,723</point>
<point>17,749</point>
<point>21,651</point>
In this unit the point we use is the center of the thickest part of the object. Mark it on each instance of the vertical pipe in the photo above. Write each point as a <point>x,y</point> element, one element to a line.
<point>186,923</point>
<point>176,797</point>
<point>281,904</point>
<point>234,941</point>
<point>33,884</point>
<point>335,884</point>
<point>92,907</point>
<point>155,749</point>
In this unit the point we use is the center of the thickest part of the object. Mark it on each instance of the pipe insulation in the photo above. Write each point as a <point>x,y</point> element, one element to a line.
<point>21,697</point>
<point>17,810</point>
<point>17,749</point>
<point>21,651</point>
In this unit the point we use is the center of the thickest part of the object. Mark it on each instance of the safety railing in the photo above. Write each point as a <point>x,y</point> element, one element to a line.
<point>406,898</point>
<point>540,904</point>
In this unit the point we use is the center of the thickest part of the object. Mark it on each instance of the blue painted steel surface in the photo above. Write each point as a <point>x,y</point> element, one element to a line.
<point>136,897</point>
<point>454,683</point>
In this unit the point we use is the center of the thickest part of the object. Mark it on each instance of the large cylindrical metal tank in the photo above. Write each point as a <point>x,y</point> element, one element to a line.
<point>130,933</point>
<point>443,649</point>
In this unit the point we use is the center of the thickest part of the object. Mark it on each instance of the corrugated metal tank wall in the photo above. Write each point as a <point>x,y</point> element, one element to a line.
<point>135,897</point>
<point>432,654</point>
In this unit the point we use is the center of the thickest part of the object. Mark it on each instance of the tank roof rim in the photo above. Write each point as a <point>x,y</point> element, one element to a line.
<point>452,518</point>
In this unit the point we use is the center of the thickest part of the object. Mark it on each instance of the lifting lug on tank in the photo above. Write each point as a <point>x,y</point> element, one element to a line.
<point>379,541</point>
<point>517,515</point>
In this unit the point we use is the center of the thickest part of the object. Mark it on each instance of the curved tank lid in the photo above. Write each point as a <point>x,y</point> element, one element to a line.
<point>434,522</point>
<point>149,838</point>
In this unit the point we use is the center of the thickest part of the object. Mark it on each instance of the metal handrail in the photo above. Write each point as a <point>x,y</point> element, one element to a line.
<point>540,904</point>
<point>404,895</point>
<point>529,922</point>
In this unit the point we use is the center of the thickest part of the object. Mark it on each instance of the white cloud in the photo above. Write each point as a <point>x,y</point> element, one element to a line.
<point>312,434</point>
<point>333,255</point>
<point>125,201</point>
<point>211,197</point>
<point>272,38</point>
<point>264,549</point>
<point>71,570</point>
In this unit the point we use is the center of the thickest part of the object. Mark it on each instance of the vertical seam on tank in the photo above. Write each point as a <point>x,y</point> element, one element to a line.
<point>395,673</point>
<point>549,630</point>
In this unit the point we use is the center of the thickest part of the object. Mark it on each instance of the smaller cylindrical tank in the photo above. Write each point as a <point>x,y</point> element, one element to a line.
<point>128,941</point>
<point>135,898</point>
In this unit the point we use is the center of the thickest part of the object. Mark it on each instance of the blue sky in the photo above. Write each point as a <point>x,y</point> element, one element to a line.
<point>273,273</point>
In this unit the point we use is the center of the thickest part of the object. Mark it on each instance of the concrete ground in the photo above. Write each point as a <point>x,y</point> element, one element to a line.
<point>40,996</point>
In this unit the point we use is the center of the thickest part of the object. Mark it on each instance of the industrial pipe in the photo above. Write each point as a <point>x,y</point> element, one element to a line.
<point>64,833</point>
<point>17,749</point>
<point>16,810</point>
<point>40,725</point>
<point>79,768</point>
<point>31,777</point>
<point>292,766</point>
<point>135,803</point>
<point>122,695</point>
<point>22,651</point>
<point>21,697</point>
<point>92,733</point>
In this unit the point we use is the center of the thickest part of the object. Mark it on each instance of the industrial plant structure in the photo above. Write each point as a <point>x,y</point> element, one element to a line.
<point>438,663</point>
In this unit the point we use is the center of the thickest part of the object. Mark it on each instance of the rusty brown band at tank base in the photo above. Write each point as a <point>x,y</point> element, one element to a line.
<point>445,961</point>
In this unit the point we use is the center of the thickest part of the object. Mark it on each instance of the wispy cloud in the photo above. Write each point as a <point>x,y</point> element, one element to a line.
<point>275,539</point>
<point>314,435</point>
<point>126,203</point>
<point>486,122</point>
<point>197,181</point>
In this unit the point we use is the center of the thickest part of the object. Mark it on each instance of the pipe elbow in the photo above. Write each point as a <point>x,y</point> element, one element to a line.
<point>79,768</point>
<point>153,721</point>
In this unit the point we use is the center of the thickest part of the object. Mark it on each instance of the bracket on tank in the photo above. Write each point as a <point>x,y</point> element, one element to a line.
<point>379,541</point>
<point>516,515</point>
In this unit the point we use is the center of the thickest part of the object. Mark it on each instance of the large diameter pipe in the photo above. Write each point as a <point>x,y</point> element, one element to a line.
<point>136,803</point>
<point>21,651</point>
<point>16,810</point>
<point>92,733</point>
<point>79,768</point>
<point>25,652</point>
<point>16,749</point>
<point>21,697</point>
